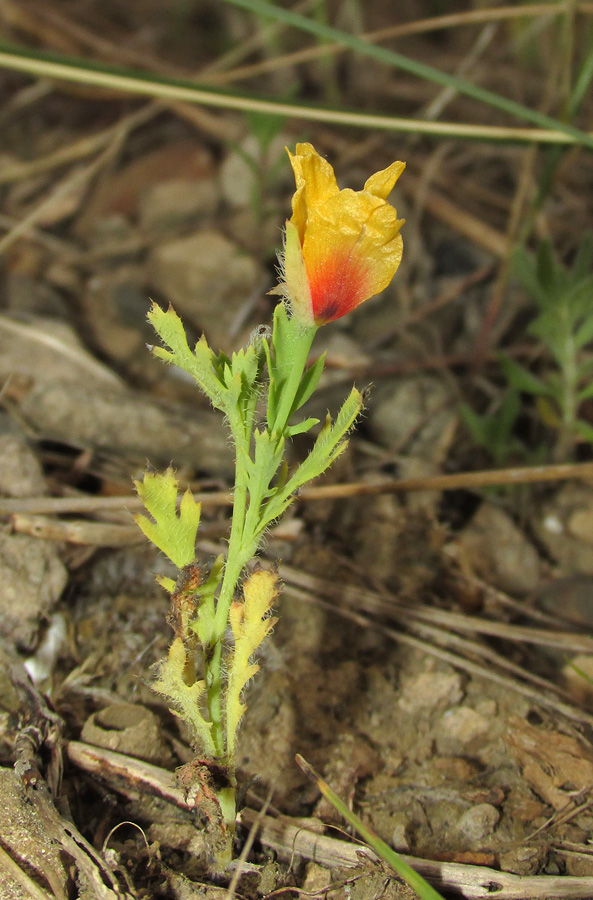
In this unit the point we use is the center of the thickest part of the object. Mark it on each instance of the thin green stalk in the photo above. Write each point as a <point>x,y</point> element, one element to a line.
<point>236,559</point>
<point>242,428</point>
<point>214,695</point>
<point>569,402</point>
<point>245,527</point>
<point>413,878</point>
<point>235,563</point>
<point>302,340</point>
<point>422,70</point>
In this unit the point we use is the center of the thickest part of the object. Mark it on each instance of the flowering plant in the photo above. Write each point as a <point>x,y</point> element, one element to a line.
<point>341,247</point>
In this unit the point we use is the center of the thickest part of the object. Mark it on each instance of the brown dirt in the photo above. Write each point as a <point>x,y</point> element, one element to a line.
<point>431,645</point>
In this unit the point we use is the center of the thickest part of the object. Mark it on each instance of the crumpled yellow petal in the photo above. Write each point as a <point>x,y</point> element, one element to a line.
<point>349,245</point>
<point>315,183</point>
<point>382,183</point>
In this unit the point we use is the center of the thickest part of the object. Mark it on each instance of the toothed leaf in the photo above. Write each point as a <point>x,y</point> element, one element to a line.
<point>172,532</point>
<point>172,684</point>
<point>250,623</point>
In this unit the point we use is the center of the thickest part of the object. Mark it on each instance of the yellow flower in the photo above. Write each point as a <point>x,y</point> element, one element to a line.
<point>341,247</point>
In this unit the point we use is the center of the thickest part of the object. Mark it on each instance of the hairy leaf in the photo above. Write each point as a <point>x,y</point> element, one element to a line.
<point>172,532</point>
<point>250,623</point>
<point>172,684</point>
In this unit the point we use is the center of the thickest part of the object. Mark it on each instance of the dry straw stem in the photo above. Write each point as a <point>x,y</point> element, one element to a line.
<point>73,182</point>
<point>45,66</point>
<point>457,481</point>
<point>13,872</point>
<point>289,838</point>
<point>488,98</point>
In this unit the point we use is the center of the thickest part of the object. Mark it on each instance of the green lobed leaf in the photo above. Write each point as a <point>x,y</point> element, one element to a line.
<point>584,429</point>
<point>172,532</point>
<point>585,393</point>
<point>477,425</point>
<point>309,382</point>
<point>302,427</point>
<point>584,333</point>
<point>267,459</point>
<point>330,442</point>
<point>202,364</point>
<point>525,269</point>
<point>171,683</point>
<point>583,260</point>
<point>547,268</point>
<point>328,445</point>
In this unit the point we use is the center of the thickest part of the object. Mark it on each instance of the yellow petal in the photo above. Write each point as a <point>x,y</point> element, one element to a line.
<point>342,247</point>
<point>381,183</point>
<point>315,182</point>
<point>352,249</point>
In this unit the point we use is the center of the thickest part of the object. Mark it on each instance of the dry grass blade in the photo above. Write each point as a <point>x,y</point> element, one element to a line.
<point>95,534</point>
<point>75,151</point>
<point>14,873</point>
<point>172,91</point>
<point>73,182</point>
<point>511,476</point>
<point>420,26</point>
<point>37,335</point>
<point>395,860</point>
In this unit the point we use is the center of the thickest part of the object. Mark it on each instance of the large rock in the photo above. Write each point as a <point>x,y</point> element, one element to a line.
<point>416,416</point>
<point>20,471</point>
<point>498,551</point>
<point>130,423</point>
<point>209,280</point>
<point>564,524</point>
<point>32,578</point>
<point>177,201</point>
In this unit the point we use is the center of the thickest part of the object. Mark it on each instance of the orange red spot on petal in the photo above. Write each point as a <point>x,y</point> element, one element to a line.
<point>337,287</point>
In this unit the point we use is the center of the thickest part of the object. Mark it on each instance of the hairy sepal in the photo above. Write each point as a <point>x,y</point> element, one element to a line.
<point>291,341</point>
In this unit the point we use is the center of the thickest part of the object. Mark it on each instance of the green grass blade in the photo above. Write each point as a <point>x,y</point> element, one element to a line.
<point>51,65</point>
<point>405,871</point>
<point>327,33</point>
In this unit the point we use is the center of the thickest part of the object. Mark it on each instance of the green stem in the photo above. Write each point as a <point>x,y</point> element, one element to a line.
<point>213,686</point>
<point>236,559</point>
<point>245,529</point>
<point>300,345</point>
<point>403,869</point>
<point>566,439</point>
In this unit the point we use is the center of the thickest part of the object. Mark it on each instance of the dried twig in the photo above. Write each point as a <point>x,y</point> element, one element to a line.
<point>457,481</point>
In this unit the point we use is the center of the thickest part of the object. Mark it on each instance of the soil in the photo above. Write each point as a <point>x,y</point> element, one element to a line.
<point>433,657</point>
